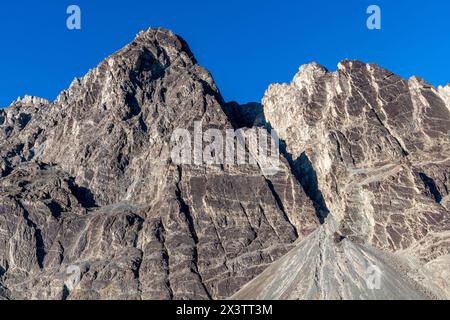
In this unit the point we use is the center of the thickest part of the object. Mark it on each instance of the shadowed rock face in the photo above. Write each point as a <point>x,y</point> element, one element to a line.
<point>87,182</point>
<point>88,189</point>
<point>379,146</point>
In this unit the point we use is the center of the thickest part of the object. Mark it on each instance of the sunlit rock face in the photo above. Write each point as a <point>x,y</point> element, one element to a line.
<point>376,148</point>
<point>92,206</point>
<point>88,189</point>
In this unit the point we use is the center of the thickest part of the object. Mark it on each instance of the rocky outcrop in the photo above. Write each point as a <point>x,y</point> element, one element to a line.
<point>89,193</point>
<point>93,206</point>
<point>373,151</point>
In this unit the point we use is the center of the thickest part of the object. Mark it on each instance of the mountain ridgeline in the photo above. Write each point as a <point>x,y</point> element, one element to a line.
<point>93,207</point>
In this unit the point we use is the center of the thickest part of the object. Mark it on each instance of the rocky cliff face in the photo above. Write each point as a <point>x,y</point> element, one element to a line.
<point>87,182</point>
<point>373,151</point>
<point>89,191</point>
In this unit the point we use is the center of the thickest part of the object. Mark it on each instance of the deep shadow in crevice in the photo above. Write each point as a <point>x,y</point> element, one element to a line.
<point>55,209</point>
<point>431,186</point>
<point>65,293</point>
<point>7,170</point>
<point>40,245</point>
<point>2,271</point>
<point>280,204</point>
<point>134,108</point>
<point>251,115</point>
<point>306,175</point>
<point>24,119</point>
<point>84,196</point>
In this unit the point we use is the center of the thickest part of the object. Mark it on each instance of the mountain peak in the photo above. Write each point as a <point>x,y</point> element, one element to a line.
<point>163,38</point>
<point>308,74</point>
<point>152,55</point>
<point>91,183</point>
<point>31,100</point>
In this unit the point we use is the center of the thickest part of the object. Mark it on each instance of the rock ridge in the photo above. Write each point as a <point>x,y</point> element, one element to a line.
<point>87,184</point>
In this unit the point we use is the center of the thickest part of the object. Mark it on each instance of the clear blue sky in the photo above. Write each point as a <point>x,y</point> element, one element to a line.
<point>245,44</point>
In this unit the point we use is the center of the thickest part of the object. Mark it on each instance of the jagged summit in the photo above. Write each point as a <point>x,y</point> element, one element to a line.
<point>151,55</point>
<point>164,38</point>
<point>307,75</point>
<point>31,100</point>
<point>374,149</point>
<point>88,184</point>
<point>445,93</point>
<point>99,191</point>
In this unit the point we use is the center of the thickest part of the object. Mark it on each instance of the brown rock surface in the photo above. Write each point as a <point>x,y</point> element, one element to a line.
<point>87,183</point>
<point>93,207</point>
<point>373,150</point>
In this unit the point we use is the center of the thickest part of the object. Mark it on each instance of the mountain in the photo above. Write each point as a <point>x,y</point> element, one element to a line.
<point>373,151</point>
<point>88,182</point>
<point>94,206</point>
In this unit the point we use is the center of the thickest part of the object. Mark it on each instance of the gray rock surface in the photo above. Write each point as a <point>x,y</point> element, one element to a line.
<point>93,207</point>
<point>321,268</point>
<point>87,182</point>
<point>372,150</point>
